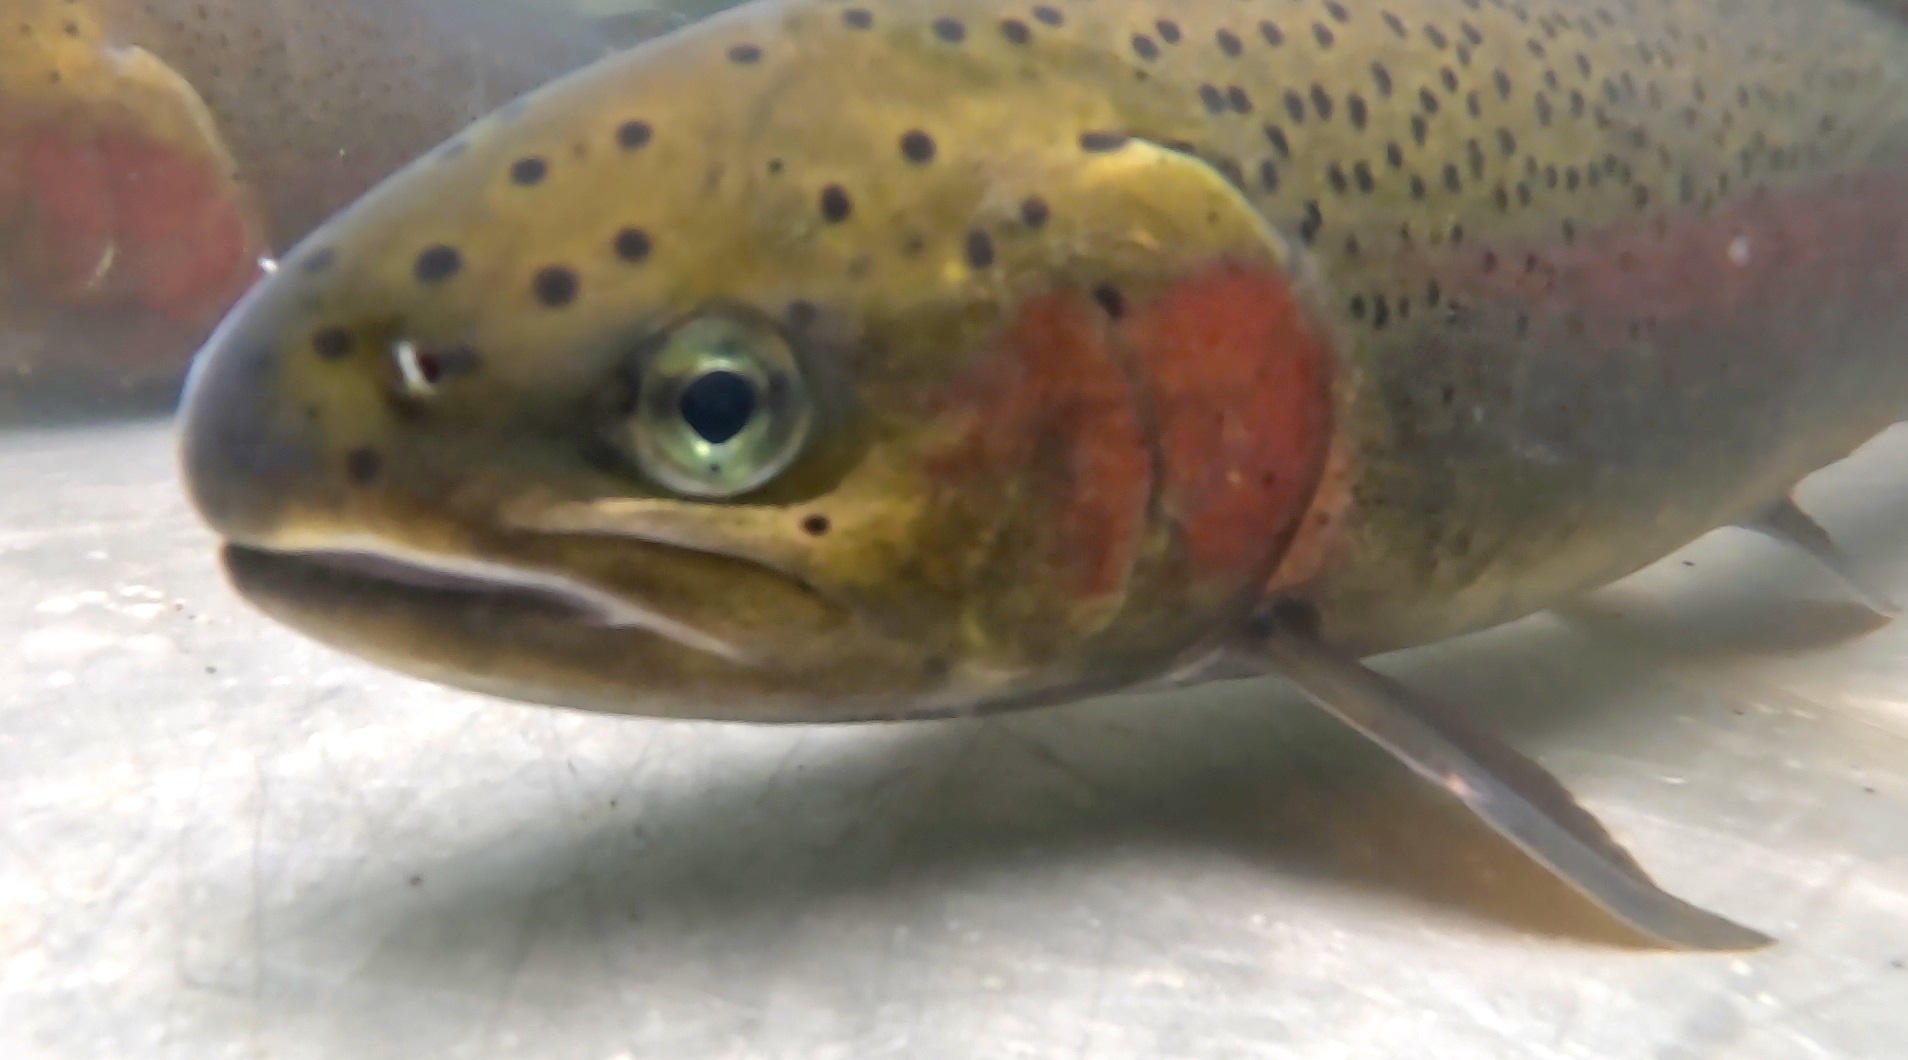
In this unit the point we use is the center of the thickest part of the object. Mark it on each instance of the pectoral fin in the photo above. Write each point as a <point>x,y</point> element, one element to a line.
<point>1513,794</point>
<point>1785,521</point>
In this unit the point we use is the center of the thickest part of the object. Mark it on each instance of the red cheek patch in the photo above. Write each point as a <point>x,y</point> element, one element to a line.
<point>1050,410</point>
<point>1241,389</point>
<point>1207,400</point>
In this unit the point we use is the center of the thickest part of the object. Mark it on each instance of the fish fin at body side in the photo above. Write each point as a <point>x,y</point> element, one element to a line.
<point>1785,521</point>
<point>1518,798</point>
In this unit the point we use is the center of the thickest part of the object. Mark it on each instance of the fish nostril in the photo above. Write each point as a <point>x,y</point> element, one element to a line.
<point>421,368</point>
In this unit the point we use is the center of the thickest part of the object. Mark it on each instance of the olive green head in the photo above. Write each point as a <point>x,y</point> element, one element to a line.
<point>710,382</point>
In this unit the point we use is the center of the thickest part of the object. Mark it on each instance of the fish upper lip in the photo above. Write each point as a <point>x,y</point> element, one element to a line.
<point>452,576</point>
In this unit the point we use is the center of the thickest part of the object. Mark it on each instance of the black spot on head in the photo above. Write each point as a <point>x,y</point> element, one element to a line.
<point>554,286</point>
<point>950,30</point>
<point>1034,211</point>
<point>331,343</point>
<point>1273,35</point>
<point>631,244</point>
<point>745,54</point>
<point>528,170</point>
<point>917,146</point>
<point>1144,47</point>
<point>857,18</point>
<point>437,263</point>
<point>362,465</point>
<point>1276,136</point>
<point>1100,140</point>
<point>815,525</point>
<point>632,134</point>
<point>1229,42</point>
<point>1210,98</point>
<point>1337,11</point>
<point>835,206</point>
<point>1168,30</point>
<point>1237,99</point>
<point>1110,300</point>
<point>979,250</point>
<point>1322,35</point>
<point>1047,16</point>
<point>1015,31</point>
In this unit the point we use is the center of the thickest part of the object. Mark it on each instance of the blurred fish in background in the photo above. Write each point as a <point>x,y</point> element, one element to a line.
<point>154,152</point>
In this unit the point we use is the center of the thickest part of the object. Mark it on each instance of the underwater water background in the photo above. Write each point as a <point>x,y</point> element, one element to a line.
<point>221,839</point>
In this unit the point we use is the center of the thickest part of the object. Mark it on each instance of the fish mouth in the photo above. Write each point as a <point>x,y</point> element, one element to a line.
<point>497,591</point>
<point>731,640</point>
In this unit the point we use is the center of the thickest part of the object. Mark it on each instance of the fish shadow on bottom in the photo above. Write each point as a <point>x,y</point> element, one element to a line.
<point>902,822</point>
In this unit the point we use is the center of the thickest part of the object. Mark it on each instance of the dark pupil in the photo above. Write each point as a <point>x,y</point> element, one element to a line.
<point>717,405</point>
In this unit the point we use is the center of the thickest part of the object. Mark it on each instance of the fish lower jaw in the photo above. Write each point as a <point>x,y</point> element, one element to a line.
<point>293,584</point>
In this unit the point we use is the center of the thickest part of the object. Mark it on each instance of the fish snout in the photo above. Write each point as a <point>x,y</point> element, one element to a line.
<point>243,452</point>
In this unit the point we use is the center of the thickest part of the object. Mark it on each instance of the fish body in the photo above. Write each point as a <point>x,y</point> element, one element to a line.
<point>821,362</point>
<point>151,151</point>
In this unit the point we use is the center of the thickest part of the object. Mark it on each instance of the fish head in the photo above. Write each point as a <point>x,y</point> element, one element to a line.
<point>706,382</point>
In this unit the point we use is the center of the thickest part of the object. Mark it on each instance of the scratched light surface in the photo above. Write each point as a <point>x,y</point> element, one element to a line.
<point>221,840</point>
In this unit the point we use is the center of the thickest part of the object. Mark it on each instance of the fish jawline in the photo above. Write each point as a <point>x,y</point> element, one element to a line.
<point>514,588</point>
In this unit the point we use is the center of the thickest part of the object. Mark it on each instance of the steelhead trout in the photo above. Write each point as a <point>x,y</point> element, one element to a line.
<point>828,362</point>
<point>151,151</point>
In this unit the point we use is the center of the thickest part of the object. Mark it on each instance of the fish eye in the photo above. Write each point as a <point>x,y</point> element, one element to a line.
<point>719,409</point>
